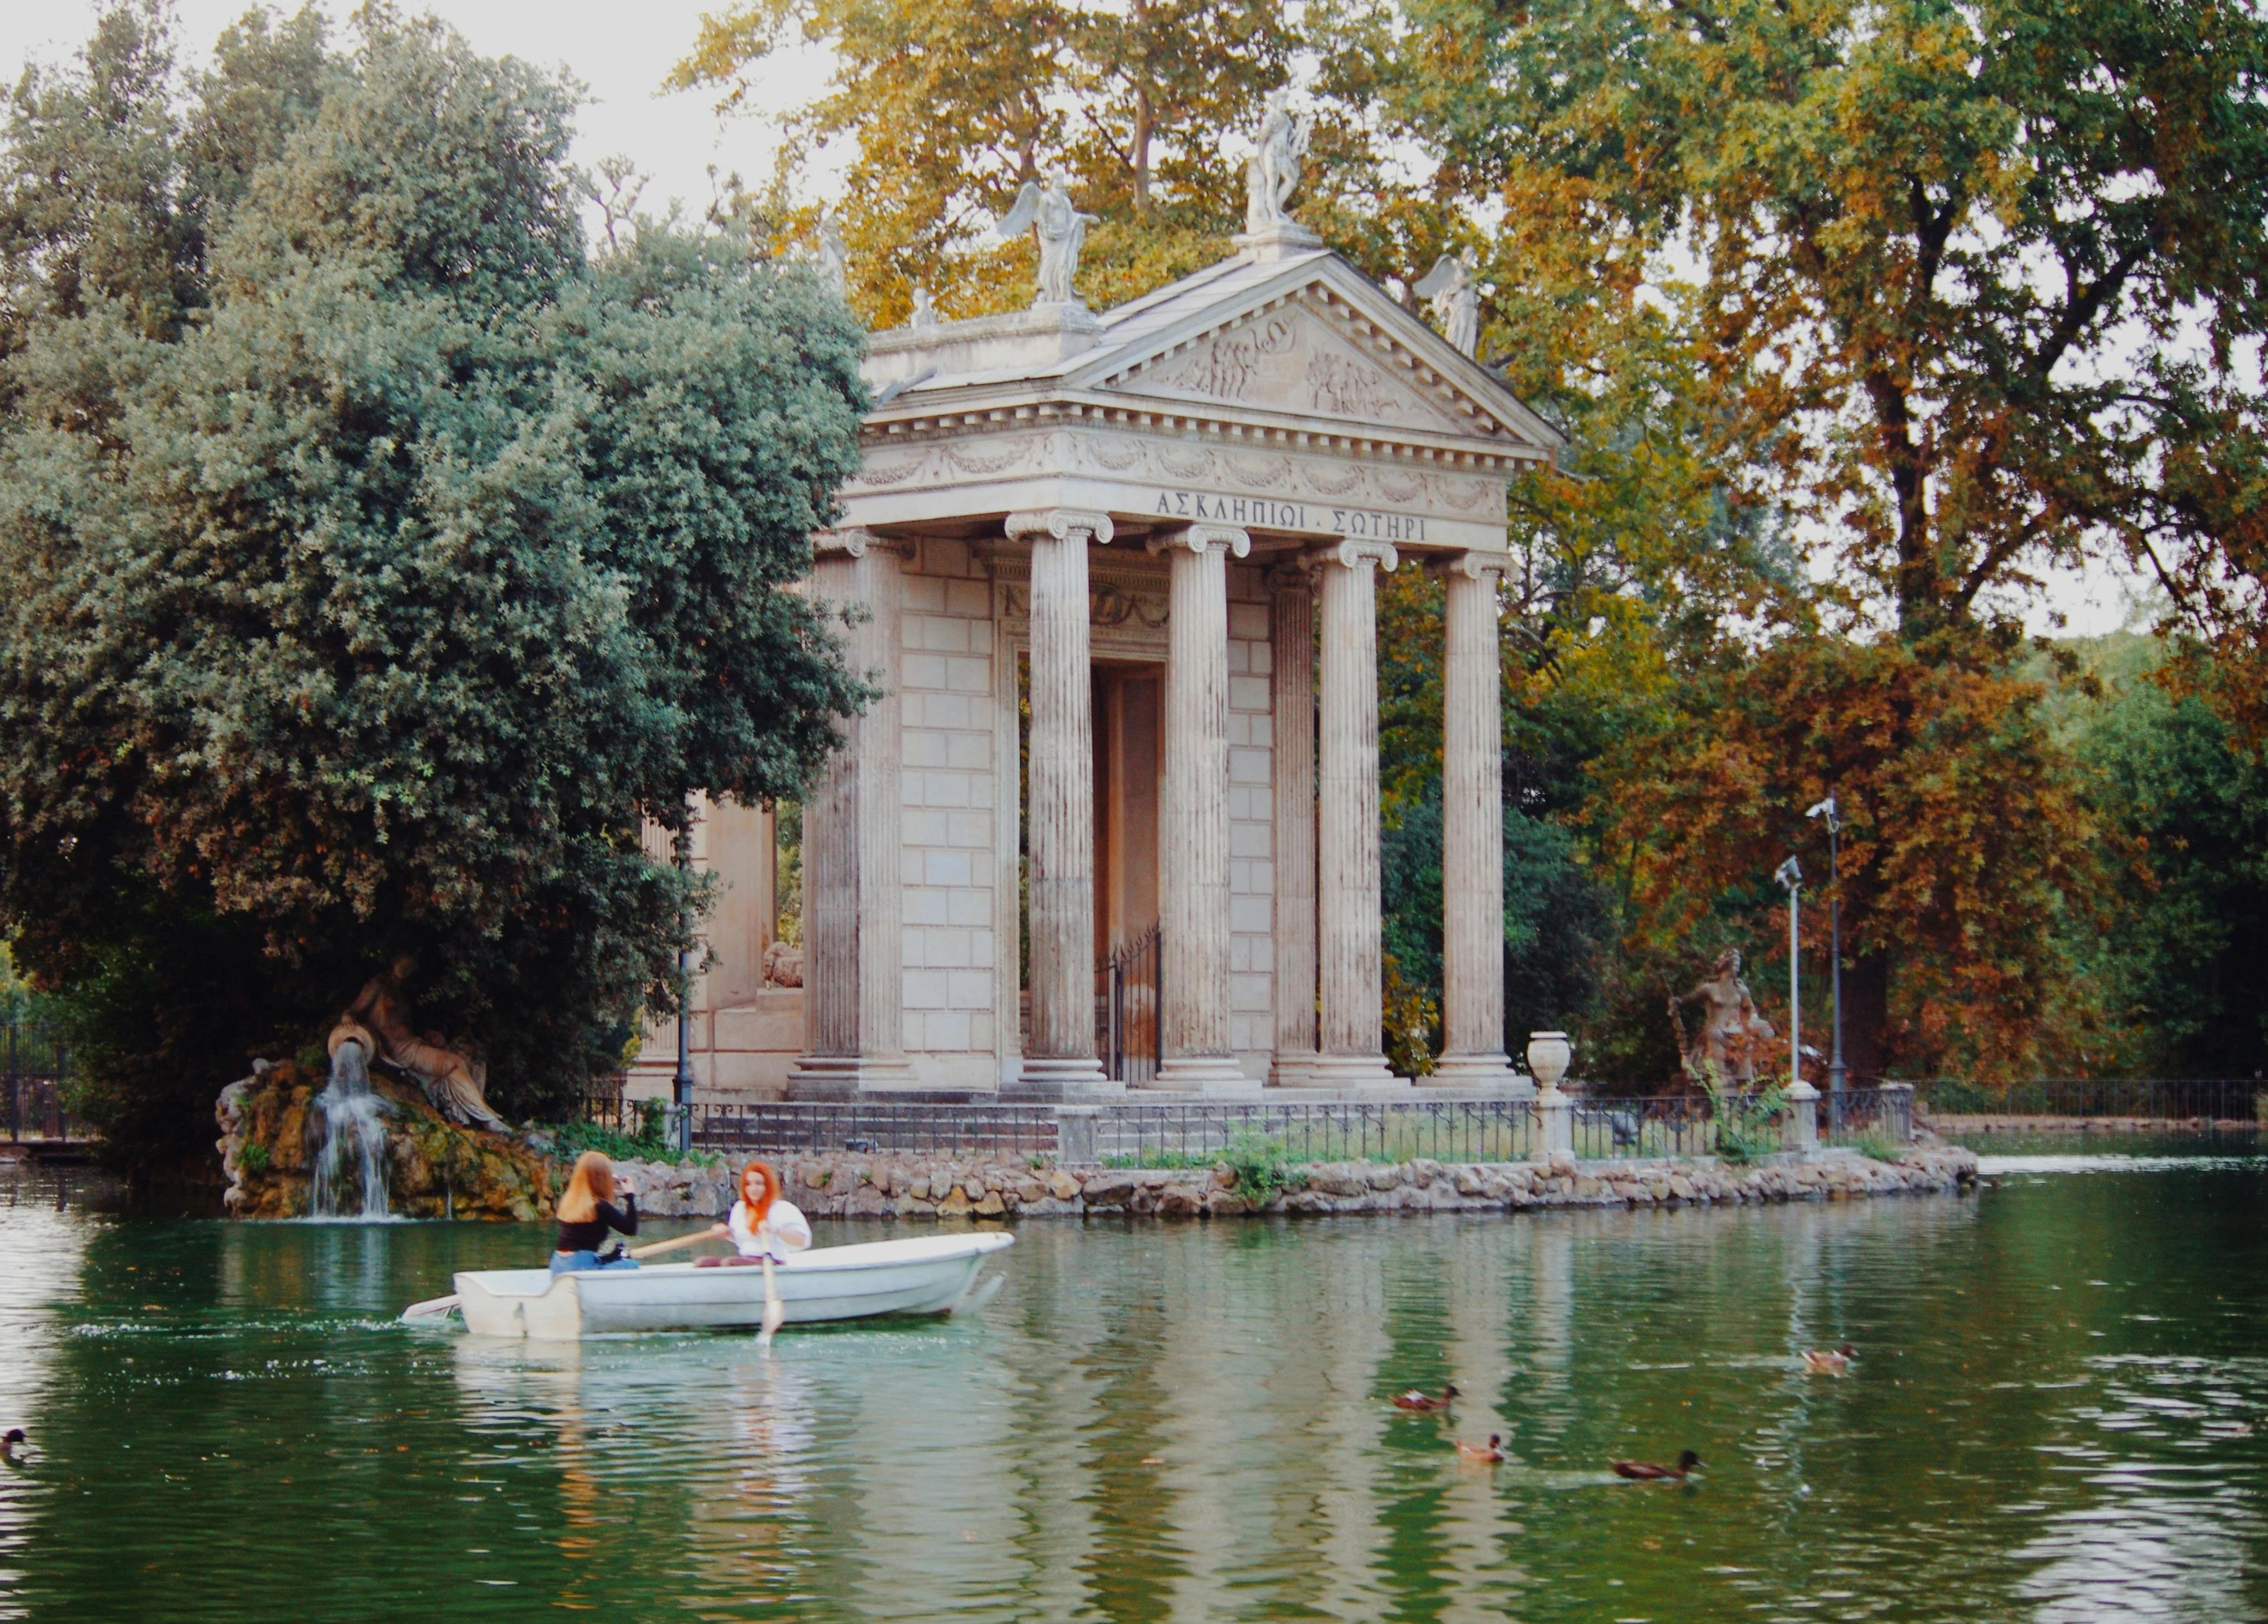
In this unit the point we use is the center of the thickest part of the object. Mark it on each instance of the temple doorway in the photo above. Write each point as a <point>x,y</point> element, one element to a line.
<point>1129,710</point>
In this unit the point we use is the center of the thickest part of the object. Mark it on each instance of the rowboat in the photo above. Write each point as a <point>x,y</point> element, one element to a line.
<point>930,1275</point>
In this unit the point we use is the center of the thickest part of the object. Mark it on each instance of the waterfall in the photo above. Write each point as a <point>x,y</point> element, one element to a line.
<point>352,1122</point>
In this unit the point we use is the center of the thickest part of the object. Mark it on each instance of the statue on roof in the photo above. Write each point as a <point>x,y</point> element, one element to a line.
<point>1455,297</point>
<point>1046,208</point>
<point>1271,173</point>
<point>924,308</point>
<point>834,260</point>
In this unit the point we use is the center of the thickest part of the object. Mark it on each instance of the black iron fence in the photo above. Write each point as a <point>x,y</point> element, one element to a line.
<point>2158,1099</point>
<point>1131,1037</point>
<point>953,1132</point>
<point>38,1067</point>
<point>1447,1130</point>
<point>1606,1128</point>
<point>1883,1113</point>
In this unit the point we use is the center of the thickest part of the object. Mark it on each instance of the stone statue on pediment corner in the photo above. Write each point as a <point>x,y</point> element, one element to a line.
<point>833,258</point>
<point>1044,207</point>
<point>1272,170</point>
<point>1451,289</point>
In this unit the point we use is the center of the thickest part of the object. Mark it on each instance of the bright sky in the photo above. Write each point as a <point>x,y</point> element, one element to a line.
<point>622,53</point>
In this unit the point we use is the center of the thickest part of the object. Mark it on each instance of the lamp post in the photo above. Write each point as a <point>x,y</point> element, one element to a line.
<point>1828,810</point>
<point>1802,1099</point>
<point>1790,875</point>
<point>683,1084</point>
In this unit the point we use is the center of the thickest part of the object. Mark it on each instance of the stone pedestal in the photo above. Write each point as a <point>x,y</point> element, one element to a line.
<point>1346,821</point>
<point>853,1031</point>
<point>1060,1062</point>
<point>1472,834</point>
<point>1555,1118</point>
<point>1193,830</point>
<point>1803,1135</point>
<point>1292,634</point>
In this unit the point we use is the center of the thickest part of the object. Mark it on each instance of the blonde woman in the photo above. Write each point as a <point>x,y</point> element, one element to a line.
<point>762,1224</point>
<point>586,1211</point>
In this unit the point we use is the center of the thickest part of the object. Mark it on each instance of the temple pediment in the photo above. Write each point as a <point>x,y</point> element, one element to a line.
<point>1288,395</point>
<point>1295,359</point>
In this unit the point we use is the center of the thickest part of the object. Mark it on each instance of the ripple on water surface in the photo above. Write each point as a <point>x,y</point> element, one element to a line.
<point>2052,1416</point>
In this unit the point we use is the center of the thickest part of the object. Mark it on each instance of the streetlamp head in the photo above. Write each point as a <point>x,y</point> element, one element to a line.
<point>1789,874</point>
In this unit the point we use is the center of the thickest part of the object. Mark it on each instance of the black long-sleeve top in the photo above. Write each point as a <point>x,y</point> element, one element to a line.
<point>590,1236</point>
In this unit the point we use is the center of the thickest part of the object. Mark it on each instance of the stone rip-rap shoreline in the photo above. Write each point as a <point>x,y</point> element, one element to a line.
<point>851,1184</point>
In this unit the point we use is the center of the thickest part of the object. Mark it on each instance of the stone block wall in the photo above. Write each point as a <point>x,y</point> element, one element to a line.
<point>948,778</point>
<point>1251,822</point>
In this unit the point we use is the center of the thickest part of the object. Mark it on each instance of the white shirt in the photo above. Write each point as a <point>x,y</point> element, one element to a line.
<point>784,1229</point>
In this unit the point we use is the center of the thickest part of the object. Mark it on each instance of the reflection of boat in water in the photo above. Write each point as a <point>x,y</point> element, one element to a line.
<point>931,1275</point>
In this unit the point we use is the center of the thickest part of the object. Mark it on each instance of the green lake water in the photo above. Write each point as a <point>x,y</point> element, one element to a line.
<point>2060,1413</point>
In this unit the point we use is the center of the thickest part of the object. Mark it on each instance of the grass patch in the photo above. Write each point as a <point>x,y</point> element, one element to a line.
<point>1873,1144</point>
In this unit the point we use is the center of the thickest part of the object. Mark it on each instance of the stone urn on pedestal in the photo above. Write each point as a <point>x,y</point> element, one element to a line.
<point>1548,1055</point>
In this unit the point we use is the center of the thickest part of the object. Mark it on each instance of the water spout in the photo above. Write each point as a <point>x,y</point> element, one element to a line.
<point>351,1162</point>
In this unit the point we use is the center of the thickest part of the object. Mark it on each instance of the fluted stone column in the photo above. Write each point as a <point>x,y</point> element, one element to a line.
<point>1193,832</point>
<point>1472,832</point>
<point>1346,821</point>
<point>1060,834</point>
<point>854,1032</point>
<point>1292,638</point>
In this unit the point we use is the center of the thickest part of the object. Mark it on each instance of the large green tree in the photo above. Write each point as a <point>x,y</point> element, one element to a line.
<point>373,560</point>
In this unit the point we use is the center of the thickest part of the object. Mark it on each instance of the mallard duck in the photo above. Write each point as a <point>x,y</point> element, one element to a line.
<point>1414,1400</point>
<point>10,1442</point>
<point>1831,1362</point>
<point>1646,1472</point>
<point>1489,1452</point>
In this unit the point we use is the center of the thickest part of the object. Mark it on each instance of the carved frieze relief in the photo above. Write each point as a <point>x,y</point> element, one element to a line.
<point>1181,465</point>
<point>1107,603</point>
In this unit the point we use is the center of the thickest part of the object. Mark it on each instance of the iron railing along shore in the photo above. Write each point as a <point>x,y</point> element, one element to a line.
<point>36,1064</point>
<point>2154,1100</point>
<point>1165,1134</point>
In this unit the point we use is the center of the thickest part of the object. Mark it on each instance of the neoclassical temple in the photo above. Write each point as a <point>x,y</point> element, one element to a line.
<point>1118,574</point>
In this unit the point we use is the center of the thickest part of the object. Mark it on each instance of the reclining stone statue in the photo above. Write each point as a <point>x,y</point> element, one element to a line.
<point>454,1082</point>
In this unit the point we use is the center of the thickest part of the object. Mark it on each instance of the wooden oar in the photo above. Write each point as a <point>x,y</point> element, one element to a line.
<point>432,1305</point>
<point>775,1310</point>
<point>716,1233</point>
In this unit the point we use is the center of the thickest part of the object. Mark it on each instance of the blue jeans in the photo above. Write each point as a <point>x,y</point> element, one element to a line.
<point>583,1263</point>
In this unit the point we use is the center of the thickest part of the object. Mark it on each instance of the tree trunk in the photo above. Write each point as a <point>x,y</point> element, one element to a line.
<point>1141,147</point>
<point>1866,1018</point>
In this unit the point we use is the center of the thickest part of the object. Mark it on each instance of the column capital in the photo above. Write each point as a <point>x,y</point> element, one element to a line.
<point>1060,523</point>
<point>1292,578</point>
<point>1351,552</point>
<point>1475,566</point>
<point>854,542</point>
<point>1202,539</point>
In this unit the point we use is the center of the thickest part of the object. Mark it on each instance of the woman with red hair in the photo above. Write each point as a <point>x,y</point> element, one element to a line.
<point>762,1224</point>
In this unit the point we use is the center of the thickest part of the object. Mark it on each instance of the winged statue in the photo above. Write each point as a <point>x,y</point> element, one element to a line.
<point>1456,300</point>
<point>1046,208</point>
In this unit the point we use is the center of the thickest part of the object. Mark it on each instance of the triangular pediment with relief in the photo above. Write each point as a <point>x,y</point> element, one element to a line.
<point>1297,358</point>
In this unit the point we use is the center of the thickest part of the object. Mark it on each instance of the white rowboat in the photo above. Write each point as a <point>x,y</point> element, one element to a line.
<point>932,1275</point>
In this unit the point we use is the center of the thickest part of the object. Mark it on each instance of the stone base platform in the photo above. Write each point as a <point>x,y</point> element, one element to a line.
<point>848,1184</point>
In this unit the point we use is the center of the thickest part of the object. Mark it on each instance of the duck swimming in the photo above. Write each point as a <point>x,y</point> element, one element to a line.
<point>1415,1399</point>
<point>1831,1362</point>
<point>12,1441</point>
<point>1489,1452</point>
<point>1646,1472</point>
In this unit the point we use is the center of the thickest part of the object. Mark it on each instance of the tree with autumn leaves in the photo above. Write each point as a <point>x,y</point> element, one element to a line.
<point>1858,320</point>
